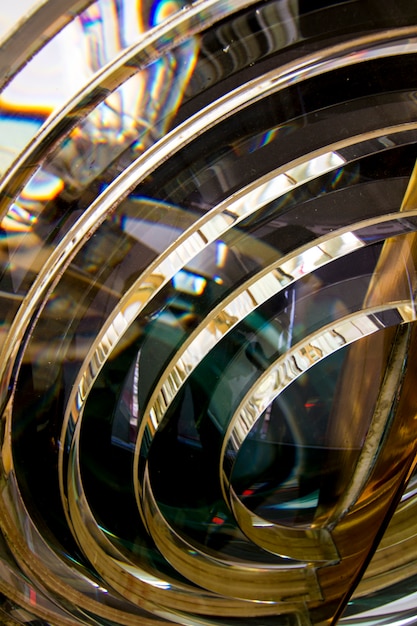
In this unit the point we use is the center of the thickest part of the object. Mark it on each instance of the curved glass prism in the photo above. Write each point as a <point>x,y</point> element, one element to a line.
<point>208,279</point>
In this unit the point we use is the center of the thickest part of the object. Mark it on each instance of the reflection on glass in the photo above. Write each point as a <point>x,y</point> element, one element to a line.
<point>208,277</point>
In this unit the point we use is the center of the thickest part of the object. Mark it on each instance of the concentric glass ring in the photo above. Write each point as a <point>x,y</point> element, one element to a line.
<point>208,292</point>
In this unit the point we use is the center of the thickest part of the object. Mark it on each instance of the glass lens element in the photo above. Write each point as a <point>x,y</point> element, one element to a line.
<point>208,285</point>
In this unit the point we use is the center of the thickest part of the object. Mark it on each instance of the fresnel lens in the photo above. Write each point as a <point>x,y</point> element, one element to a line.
<point>208,252</point>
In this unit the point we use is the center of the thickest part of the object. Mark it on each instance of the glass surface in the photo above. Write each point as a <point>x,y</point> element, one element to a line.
<point>208,300</point>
